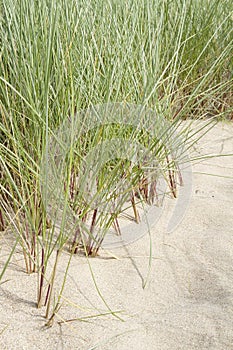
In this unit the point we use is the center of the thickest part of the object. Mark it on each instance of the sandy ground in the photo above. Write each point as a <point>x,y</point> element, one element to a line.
<point>188,300</point>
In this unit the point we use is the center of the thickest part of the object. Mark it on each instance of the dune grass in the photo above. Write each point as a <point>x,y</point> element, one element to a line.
<point>60,57</point>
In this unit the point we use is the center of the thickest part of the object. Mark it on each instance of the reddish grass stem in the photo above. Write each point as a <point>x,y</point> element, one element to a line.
<point>93,222</point>
<point>2,224</point>
<point>41,279</point>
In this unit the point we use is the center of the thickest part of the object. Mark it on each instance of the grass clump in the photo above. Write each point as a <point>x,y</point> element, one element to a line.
<point>58,58</point>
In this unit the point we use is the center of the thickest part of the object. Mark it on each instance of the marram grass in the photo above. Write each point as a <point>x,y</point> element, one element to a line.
<point>60,57</point>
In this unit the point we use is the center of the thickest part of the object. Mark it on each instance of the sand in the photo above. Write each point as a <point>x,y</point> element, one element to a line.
<point>188,299</point>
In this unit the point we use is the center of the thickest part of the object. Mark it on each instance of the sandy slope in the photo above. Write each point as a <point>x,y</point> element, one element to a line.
<point>188,301</point>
